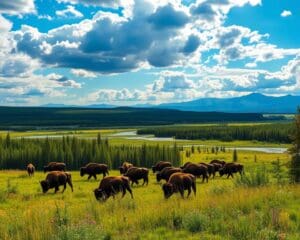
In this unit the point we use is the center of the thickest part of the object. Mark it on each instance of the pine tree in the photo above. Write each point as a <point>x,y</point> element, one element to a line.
<point>234,156</point>
<point>295,151</point>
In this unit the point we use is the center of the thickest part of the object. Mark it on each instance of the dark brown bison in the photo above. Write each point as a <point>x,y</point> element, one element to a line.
<point>125,166</point>
<point>160,166</point>
<point>231,168</point>
<point>110,186</point>
<point>30,169</point>
<point>218,161</point>
<point>92,169</point>
<point>197,170</point>
<point>178,182</point>
<point>55,166</point>
<point>185,165</point>
<point>135,174</point>
<point>166,173</point>
<point>217,166</point>
<point>55,179</point>
<point>210,169</point>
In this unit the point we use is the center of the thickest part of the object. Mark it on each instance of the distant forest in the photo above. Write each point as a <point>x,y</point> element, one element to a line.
<point>277,132</point>
<point>76,152</point>
<point>39,117</point>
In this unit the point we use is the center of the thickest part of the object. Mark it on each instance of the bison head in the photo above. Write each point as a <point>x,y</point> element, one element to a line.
<point>45,186</point>
<point>100,194</point>
<point>221,172</point>
<point>122,170</point>
<point>168,190</point>
<point>46,168</point>
<point>158,177</point>
<point>82,171</point>
<point>153,169</point>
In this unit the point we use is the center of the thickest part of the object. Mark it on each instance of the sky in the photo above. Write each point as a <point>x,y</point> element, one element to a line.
<point>129,52</point>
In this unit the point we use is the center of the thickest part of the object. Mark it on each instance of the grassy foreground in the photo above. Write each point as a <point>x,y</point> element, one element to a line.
<point>220,210</point>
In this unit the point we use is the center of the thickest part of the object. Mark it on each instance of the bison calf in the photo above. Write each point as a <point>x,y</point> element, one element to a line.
<point>55,179</point>
<point>55,166</point>
<point>110,186</point>
<point>30,169</point>
<point>160,166</point>
<point>179,182</point>
<point>134,174</point>
<point>92,169</point>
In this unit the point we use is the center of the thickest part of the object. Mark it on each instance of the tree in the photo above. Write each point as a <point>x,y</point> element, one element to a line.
<point>295,151</point>
<point>234,156</point>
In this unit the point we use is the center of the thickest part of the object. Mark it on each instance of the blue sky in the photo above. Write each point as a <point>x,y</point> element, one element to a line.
<point>127,52</point>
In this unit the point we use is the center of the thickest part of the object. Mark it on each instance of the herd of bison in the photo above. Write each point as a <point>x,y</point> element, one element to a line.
<point>178,179</point>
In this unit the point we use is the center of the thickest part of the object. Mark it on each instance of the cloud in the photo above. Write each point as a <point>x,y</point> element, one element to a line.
<point>286,13</point>
<point>17,7</point>
<point>5,25</point>
<point>69,12</point>
<point>63,81</point>
<point>83,73</point>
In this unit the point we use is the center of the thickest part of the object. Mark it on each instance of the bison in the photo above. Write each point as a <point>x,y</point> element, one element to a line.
<point>125,166</point>
<point>185,165</point>
<point>197,170</point>
<point>217,166</point>
<point>166,173</point>
<point>55,179</point>
<point>30,169</point>
<point>231,168</point>
<point>134,174</point>
<point>110,186</point>
<point>92,169</point>
<point>160,166</point>
<point>210,169</point>
<point>55,166</point>
<point>178,182</point>
<point>218,161</point>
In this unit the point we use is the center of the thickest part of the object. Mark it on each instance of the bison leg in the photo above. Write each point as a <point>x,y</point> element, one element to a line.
<point>129,189</point>
<point>65,186</point>
<point>189,191</point>
<point>95,176</point>
<point>194,187</point>
<point>89,177</point>
<point>69,181</point>
<point>180,189</point>
<point>56,189</point>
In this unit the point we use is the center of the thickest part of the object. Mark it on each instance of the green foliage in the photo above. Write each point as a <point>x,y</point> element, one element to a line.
<point>76,152</point>
<point>278,172</point>
<point>234,156</point>
<point>256,178</point>
<point>295,151</point>
<point>264,132</point>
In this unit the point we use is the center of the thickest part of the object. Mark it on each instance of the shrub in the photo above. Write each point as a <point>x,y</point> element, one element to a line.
<point>195,222</point>
<point>256,178</point>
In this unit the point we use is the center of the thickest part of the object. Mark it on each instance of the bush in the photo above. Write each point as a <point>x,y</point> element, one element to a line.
<point>256,178</point>
<point>195,222</point>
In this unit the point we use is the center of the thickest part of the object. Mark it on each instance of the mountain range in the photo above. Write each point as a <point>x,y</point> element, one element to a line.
<point>252,103</point>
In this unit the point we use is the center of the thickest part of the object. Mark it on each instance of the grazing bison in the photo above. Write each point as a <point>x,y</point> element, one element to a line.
<point>55,179</point>
<point>218,161</point>
<point>217,166</point>
<point>135,174</point>
<point>210,169</point>
<point>231,168</point>
<point>125,166</point>
<point>30,169</point>
<point>92,169</point>
<point>55,166</point>
<point>185,165</point>
<point>197,170</point>
<point>160,166</point>
<point>110,186</point>
<point>166,173</point>
<point>179,182</point>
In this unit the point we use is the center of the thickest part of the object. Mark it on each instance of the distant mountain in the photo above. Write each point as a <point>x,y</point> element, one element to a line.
<point>252,103</point>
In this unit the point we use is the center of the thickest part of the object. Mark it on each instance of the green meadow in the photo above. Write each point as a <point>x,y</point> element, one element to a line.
<point>261,205</point>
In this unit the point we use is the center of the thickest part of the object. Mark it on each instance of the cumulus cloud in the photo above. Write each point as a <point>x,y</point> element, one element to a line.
<point>69,12</point>
<point>83,73</point>
<point>17,7</point>
<point>286,13</point>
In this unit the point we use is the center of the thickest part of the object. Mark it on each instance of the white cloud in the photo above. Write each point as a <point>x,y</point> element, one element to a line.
<point>83,73</point>
<point>17,7</point>
<point>286,13</point>
<point>69,12</point>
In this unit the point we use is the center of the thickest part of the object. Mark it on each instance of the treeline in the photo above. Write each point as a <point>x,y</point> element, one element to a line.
<point>279,133</point>
<point>22,118</point>
<point>76,152</point>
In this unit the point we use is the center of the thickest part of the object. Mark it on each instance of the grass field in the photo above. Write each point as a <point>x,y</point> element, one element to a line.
<point>221,209</point>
